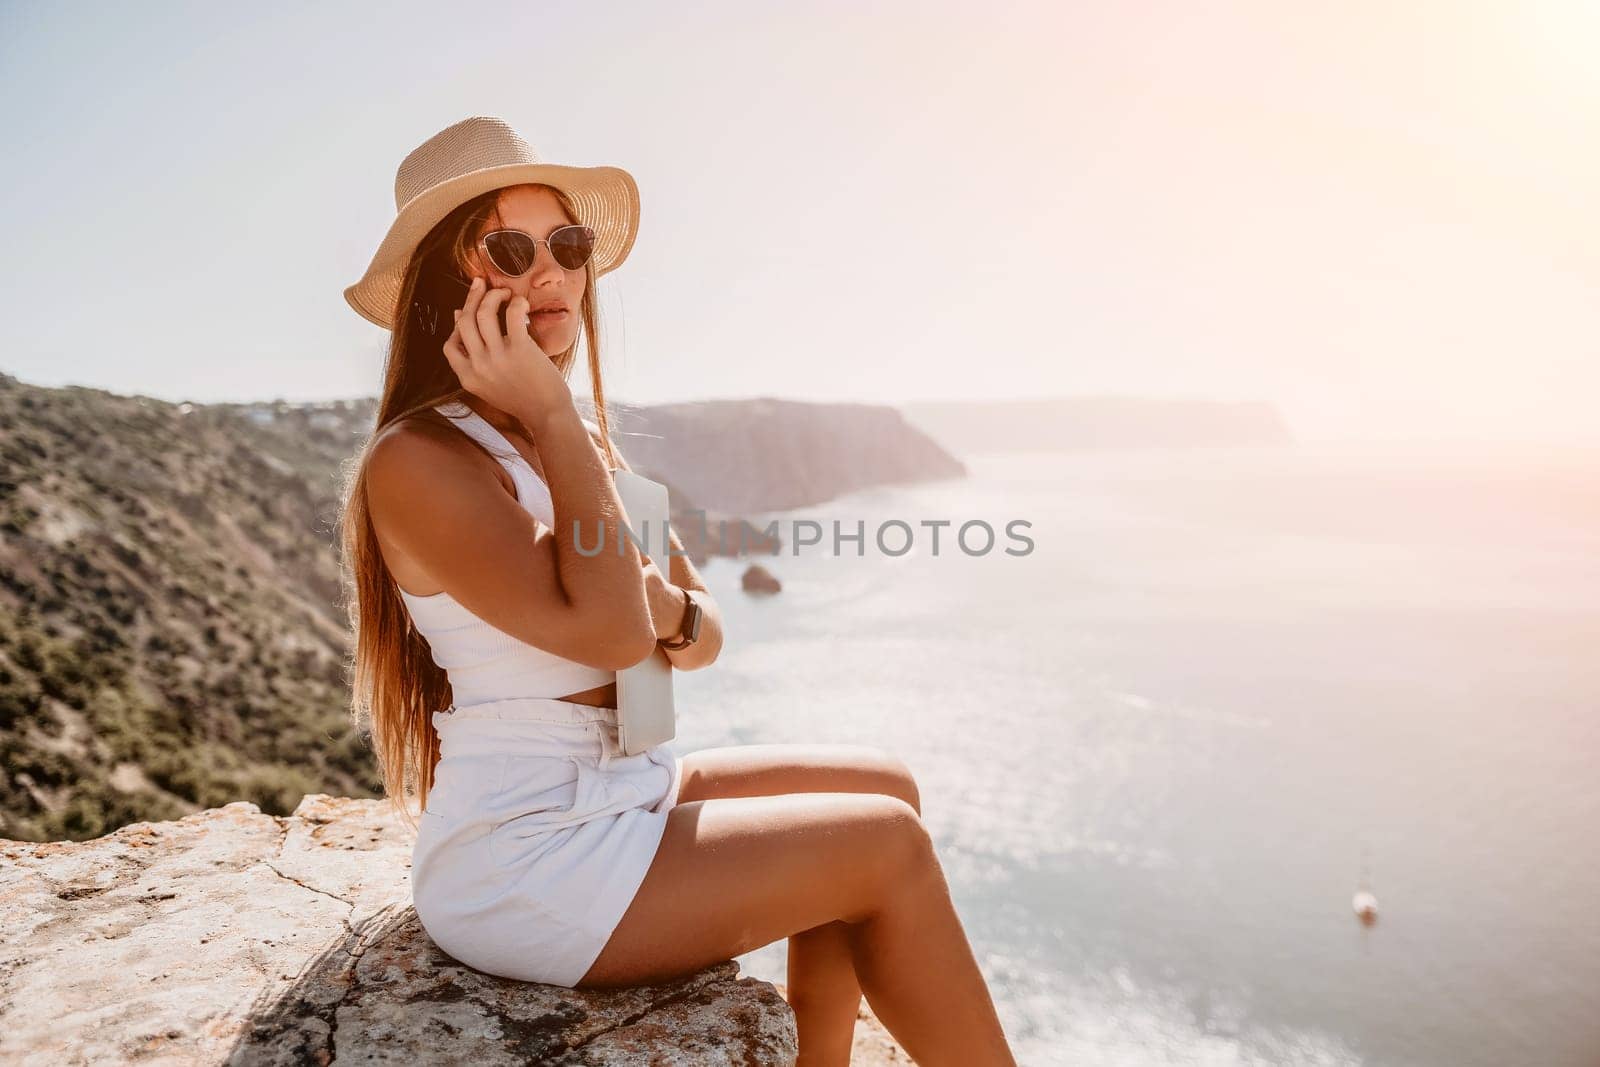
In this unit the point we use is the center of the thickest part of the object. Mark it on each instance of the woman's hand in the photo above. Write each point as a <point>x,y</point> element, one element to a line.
<point>667,601</point>
<point>509,370</point>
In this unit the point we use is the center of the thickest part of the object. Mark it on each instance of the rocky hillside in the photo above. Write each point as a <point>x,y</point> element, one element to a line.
<point>170,635</point>
<point>170,638</point>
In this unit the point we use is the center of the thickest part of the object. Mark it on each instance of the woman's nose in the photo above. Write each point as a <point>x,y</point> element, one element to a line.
<point>544,263</point>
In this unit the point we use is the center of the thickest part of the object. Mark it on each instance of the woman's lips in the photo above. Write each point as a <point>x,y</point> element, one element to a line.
<point>549,316</point>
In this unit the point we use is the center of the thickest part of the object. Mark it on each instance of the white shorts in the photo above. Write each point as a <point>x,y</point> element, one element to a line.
<point>536,835</point>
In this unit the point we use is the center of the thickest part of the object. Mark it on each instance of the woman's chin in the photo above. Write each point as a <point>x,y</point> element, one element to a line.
<point>552,340</point>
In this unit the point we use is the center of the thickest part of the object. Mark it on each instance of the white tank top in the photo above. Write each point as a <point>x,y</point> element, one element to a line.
<point>483,662</point>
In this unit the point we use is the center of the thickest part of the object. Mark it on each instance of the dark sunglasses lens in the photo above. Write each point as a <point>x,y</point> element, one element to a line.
<point>511,251</point>
<point>572,246</point>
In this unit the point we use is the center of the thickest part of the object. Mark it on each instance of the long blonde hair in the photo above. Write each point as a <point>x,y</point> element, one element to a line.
<point>395,686</point>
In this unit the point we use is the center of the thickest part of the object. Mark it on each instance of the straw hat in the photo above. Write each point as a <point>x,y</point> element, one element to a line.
<point>471,157</point>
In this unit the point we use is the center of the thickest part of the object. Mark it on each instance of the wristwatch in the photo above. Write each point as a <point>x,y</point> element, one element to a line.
<point>689,629</point>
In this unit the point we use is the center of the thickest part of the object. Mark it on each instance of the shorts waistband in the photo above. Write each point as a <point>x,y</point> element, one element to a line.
<point>528,709</point>
<point>537,727</point>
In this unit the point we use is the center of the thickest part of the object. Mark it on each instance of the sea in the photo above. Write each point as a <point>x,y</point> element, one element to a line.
<point>1186,702</point>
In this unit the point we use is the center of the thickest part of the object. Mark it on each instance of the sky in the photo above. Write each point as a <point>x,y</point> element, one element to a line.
<point>1377,215</point>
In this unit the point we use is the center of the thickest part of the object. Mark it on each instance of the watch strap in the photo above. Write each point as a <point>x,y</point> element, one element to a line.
<point>691,613</point>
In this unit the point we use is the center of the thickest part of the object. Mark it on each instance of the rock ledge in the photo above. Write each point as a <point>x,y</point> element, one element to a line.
<point>232,936</point>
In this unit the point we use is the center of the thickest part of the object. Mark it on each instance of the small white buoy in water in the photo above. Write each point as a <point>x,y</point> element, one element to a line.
<point>1365,905</point>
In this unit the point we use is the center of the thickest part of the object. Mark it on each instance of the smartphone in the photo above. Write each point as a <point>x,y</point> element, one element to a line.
<point>438,299</point>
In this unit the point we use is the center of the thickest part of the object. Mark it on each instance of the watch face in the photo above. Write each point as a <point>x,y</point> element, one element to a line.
<point>694,623</point>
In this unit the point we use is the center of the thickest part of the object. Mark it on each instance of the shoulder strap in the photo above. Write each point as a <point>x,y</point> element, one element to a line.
<point>483,431</point>
<point>532,492</point>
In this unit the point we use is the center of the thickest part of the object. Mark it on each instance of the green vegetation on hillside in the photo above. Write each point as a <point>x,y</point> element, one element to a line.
<point>170,634</point>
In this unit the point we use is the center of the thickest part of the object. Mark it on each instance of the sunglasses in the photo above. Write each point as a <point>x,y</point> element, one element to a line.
<point>512,251</point>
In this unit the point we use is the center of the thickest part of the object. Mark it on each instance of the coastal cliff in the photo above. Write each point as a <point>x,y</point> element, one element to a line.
<point>765,454</point>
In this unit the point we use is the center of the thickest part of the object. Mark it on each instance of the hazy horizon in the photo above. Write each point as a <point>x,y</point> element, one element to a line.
<point>1414,442</point>
<point>1375,218</point>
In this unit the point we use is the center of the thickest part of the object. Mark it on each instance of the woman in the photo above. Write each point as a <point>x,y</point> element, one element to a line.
<point>542,852</point>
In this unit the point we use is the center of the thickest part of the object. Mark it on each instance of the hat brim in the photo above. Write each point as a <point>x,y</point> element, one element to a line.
<point>606,199</point>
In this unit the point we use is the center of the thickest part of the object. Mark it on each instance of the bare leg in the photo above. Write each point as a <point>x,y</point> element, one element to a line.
<point>823,991</point>
<point>736,873</point>
<point>940,1011</point>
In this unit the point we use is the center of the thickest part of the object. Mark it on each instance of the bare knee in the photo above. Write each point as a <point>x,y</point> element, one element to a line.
<point>902,856</point>
<point>906,785</point>
<point>896,777</point>
<point>911,834</point>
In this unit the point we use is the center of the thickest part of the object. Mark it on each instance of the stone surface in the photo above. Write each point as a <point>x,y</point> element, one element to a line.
<point>232,936</point>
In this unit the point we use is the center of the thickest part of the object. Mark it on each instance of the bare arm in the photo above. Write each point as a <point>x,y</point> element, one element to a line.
<point>439,501</point>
